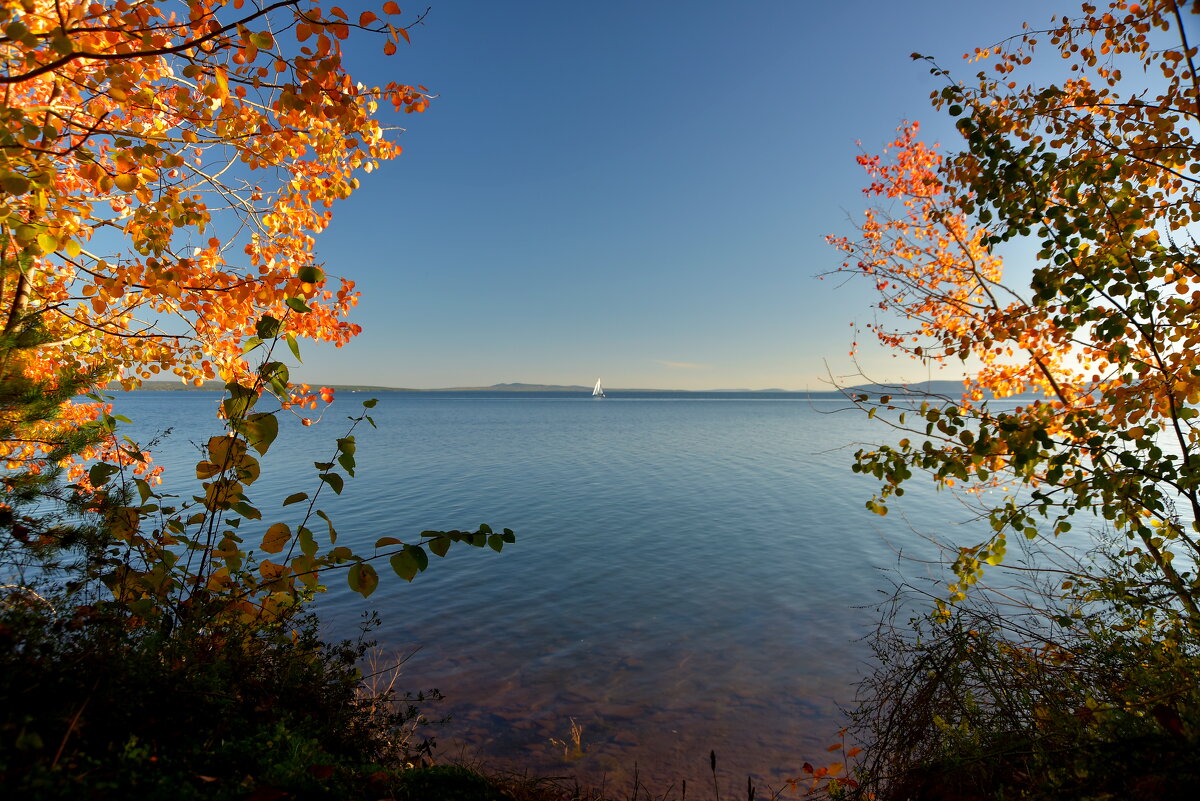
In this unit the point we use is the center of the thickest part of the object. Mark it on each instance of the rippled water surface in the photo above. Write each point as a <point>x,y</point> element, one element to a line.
<point>693,572</point>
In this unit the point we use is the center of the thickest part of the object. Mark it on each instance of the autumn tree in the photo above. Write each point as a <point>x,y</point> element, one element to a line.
<point>165,168</point>
<point>1080,406</point>
<point>1102,173</point>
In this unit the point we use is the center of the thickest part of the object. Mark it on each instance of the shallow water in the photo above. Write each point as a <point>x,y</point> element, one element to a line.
<point>693,572</point>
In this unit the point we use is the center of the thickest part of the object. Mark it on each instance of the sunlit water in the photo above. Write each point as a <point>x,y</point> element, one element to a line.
<point>693,572</point>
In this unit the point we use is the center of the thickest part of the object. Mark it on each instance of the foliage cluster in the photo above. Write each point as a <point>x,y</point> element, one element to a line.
<point>1097,176</point>
<point>96,709</point>
<point>165,167</point>
<point>1014,695</point>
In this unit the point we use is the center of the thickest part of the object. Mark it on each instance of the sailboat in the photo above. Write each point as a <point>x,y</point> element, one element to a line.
<point>598,392</point>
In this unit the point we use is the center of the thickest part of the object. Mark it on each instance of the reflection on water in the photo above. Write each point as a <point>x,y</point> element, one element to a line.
<point>692,573</point>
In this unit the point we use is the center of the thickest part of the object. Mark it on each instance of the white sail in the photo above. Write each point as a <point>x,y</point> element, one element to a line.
<point>598,392</point>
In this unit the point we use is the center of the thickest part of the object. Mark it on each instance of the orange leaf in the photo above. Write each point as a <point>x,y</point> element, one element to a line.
<point>276,537</point>
<point>389,48</point>
<point>337,12</point>
<point>391,8</point>
<point>366,18</point>
<point>834,747</point>
<point>404,33</point>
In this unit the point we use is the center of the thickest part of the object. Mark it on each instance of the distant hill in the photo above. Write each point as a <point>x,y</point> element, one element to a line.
<point>516,387</point>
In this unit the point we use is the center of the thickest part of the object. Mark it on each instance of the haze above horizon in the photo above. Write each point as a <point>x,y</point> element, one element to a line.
<point>637,192</point>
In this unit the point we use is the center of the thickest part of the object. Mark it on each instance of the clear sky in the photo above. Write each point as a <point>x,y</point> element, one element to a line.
<point>637,191</point>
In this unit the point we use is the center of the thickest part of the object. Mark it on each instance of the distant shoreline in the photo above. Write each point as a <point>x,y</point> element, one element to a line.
<point>948,389</point>
<point>217,386</point>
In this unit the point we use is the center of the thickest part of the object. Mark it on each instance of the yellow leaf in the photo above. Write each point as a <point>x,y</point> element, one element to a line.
<point>276,538</point>
<point>225,450</point>
<point>271,571</point>
<point>207,469</point>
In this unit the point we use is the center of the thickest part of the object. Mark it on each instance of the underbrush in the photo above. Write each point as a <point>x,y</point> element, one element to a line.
<point>1029,693</point>
<point>99,709</point>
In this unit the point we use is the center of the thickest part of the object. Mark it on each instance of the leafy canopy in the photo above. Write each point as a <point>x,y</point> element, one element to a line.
<point>1101,172</point>
<point>165,167</point>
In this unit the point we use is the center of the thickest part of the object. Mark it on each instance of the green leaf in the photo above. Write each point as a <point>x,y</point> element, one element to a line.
<point>297,305</point>
<point>100,473</point>
<point>14,183</point>
<point>405,565</point>
<point>419,555</point>
<point>247,511</point>
<point>333,480</point>
<point>251,344</point>
<point>241,400</point>
<point>291,342</point>
<point>370,403</point>
<point>439,545</point>
<point>310,274</point>
<point>248,469</point>
<point>495,542</point>
<point>304,569</point>
<point>277,375</point>
<point>308,544</point>
<point>295,497</point>
<point>143,488</point>
<point>267,327</point>
<point>333,535</point>
<point>383,542</point>
<point>363,579</point>
<point>260,430</point>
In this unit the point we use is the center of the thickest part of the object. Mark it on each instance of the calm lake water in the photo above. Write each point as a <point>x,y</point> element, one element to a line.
<point>693,572</point>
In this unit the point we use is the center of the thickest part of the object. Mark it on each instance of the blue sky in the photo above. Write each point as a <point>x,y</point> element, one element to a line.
<point>634,190</point>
